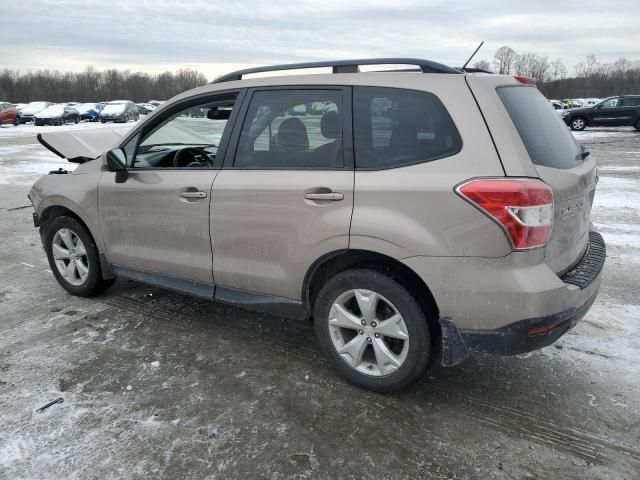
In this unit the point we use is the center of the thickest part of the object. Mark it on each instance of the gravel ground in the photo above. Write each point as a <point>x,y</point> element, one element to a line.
<point>160,385</point>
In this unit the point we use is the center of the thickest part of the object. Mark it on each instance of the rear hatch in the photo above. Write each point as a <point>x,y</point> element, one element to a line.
<point>548,151</point>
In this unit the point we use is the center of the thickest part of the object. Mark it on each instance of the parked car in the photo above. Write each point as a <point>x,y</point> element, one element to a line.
<point>28,113</point>
<point>119,111</point>
<point>145,108</point>
<point>89,111</point>
<point>453,222</point>
<point>58,114</point>
<point>156,103</point>
<point>558,105</point>
<point>9,114</point>
<point>611,112</point>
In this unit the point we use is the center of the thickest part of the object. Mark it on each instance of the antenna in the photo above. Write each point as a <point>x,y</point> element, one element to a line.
<point>472,55</point>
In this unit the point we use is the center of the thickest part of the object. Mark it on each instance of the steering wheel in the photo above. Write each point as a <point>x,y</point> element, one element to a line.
<point>191,157</point>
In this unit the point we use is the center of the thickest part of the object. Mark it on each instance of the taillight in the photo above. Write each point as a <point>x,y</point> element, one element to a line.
<point>523,207</point>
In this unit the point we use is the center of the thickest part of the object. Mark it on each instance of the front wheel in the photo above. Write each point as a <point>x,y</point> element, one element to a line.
<point>373,330</point>
<point>73,257</point>
<point>578,123</point>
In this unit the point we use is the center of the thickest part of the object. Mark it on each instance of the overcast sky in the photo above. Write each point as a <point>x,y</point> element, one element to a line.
<point>217,36</point>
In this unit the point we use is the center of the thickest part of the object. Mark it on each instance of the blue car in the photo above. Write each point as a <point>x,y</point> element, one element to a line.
<point>89,111</point>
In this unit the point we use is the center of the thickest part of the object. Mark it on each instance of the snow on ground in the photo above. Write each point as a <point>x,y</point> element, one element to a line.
<point>30,130</point>
<point>23,159</point>
<point>605,133</point>
<point>160,385</point>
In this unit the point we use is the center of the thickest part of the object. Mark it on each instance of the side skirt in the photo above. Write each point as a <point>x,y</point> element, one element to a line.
<point>258,302</point>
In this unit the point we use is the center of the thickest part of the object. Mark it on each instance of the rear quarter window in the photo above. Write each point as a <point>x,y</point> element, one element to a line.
<point>543,133</point>
<point>395,127</point>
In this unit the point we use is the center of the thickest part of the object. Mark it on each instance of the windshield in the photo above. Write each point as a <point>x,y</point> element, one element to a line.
<point>85,107</point>
<point>36,106</point>
<point>114,108</point>
<point>544,134</point>
<point>52,111</point>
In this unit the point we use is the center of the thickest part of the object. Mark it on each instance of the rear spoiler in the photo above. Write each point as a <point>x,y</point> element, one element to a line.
<point>80,146</point>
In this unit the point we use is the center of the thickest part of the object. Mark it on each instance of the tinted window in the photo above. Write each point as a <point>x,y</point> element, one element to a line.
<point>394,127</point>
<point>631,102</point>
<point>292,129</point>
<point>545,136</point>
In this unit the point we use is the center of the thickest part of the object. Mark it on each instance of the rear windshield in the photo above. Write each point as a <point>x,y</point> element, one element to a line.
<point>544,134</point>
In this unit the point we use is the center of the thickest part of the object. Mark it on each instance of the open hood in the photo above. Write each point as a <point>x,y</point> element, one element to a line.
<point>79,146</point>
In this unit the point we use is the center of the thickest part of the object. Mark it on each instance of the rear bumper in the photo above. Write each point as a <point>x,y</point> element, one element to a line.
<point>532,333</point>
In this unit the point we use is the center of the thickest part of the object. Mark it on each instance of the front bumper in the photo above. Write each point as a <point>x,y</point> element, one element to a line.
<point>113,118</point>
<point>532,333</point>
<point>48,121</point>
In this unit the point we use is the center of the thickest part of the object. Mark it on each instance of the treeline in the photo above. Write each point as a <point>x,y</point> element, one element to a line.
<point>591,79</point>
<point>92,85</point>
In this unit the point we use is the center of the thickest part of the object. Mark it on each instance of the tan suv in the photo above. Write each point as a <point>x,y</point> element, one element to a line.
<point>413,215</point>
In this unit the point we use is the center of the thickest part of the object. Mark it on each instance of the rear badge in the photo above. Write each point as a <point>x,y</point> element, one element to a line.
<point>571,209</point>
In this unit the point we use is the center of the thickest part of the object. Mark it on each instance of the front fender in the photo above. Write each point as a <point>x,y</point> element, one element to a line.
<point>76,192</point>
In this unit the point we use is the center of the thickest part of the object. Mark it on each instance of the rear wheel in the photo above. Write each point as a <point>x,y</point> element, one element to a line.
<point>578,123</point>
<point>373,330</point>
<point>16,122</point>
<point>637,125</point>
<point>73,257</point>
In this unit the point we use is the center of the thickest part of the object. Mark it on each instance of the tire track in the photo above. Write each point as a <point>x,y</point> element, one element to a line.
<point>506,419</point>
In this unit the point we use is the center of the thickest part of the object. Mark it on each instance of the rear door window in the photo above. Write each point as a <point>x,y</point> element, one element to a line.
<point>292,129</point>
<point>544,134</point>
<point>395,127</point>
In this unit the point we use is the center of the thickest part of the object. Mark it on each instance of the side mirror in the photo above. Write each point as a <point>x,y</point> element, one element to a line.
<point>117,162</point>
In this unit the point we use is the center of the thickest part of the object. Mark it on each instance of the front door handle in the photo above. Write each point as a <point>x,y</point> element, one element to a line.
<point>332,196</point>
<point>196,194</point>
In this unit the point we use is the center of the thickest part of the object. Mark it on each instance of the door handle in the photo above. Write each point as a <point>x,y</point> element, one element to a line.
<point>197,194</point>
<point>332,196</point>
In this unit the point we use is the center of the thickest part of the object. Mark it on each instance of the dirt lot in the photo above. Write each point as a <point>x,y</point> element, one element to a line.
<point>160,385</point>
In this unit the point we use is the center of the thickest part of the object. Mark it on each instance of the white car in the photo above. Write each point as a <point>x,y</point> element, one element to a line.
<point>28,113</point>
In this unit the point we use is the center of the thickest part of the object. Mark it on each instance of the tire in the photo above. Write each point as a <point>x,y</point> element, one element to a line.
<point>637,125</point>
<point>77,120</point>
<point>102,121</point>
<point>578,123</point>
<point>16,122</point>
<point>345,292</point>
<point>60,231</point>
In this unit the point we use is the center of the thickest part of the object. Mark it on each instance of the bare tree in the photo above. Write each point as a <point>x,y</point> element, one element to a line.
<point>504,59</point>
<point>483,65</point>
<point>558,70</point>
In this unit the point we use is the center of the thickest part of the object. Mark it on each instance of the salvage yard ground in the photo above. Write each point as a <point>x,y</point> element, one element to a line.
<point>159,385</point>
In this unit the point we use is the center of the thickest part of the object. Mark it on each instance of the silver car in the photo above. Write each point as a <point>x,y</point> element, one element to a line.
<point>418,216</point>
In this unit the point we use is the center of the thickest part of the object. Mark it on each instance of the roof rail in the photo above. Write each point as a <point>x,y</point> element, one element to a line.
<point>343,66</point>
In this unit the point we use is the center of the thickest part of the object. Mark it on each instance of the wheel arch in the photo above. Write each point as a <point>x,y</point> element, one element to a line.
<point>54,211</point>
<point>340,260</point>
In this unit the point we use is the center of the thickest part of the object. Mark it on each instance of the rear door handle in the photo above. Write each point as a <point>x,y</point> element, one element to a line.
<point>332,196</point>
<point>197,194</point>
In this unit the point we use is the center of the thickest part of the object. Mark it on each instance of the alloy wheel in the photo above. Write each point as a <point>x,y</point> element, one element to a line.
<point>368,332</point>
<point>70,256</point>
<point>578,124</point>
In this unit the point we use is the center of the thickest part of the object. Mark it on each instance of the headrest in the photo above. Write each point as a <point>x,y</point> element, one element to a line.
<point>292,136</point>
